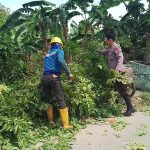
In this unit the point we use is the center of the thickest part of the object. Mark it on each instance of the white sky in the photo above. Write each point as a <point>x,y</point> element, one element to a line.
<point>115,11</point>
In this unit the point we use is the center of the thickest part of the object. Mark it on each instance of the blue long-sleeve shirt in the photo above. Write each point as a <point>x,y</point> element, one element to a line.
<point>54,61</point>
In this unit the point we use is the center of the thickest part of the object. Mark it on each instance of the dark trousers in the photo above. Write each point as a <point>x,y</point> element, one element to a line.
<point>122,88</point>
<point>51,86</point>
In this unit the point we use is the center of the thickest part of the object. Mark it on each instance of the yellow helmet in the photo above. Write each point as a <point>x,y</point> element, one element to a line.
<point>56,40</point>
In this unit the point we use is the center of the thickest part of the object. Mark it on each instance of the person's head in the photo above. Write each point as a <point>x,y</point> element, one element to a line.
<point>56,41</point>
<point>109,40</point>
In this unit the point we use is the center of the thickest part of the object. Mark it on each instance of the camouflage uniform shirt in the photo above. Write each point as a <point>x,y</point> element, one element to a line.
<point>114,56</point>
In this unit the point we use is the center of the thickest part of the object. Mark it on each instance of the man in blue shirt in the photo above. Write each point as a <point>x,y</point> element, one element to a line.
<point>54,64</point>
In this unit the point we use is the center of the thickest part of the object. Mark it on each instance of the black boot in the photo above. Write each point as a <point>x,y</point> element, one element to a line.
<point>130,108</point>
<point>129,112</point>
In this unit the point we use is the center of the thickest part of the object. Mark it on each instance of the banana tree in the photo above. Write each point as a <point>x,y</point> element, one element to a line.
<point>39,21</point>
<point>88,23</point>
<point>63,13</point>
<point>31,21</point>
<point>95,17</point>
<point>64,17</point>
<point>137,24</point>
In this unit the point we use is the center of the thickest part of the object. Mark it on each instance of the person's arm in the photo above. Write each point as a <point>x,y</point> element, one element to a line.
<point>102,51</point>
<point>41,52</point>
<point>120,60</point>
<point>119,56</point>
<point>63,63</point>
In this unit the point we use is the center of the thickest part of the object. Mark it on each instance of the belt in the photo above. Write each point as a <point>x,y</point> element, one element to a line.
<point>52,73</point>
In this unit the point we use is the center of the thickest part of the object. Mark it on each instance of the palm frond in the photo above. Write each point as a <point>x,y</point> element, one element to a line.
<point>72,14</point>
<point>38,3</point>
<point>19,31</point>
<point>70,5</point>
<point>25,10</point>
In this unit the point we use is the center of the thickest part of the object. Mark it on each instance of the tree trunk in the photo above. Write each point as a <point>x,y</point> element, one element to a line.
<point>65,32</point>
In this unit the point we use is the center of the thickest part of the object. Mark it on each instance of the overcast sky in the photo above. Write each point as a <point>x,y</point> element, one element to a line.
<point>15,4</point>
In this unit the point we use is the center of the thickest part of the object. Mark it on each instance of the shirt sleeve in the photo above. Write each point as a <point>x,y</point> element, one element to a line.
<point>102,51</point>
<point>119,56</point>
<point>61,60</point>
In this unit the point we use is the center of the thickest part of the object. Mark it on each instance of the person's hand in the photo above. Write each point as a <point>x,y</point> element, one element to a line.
<point>98,52</point>
<point>71,77</point>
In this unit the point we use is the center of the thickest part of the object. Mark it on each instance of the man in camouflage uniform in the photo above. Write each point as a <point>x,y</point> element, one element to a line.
<point>115,59</point>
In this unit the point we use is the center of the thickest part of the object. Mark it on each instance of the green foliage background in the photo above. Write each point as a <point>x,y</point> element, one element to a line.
<point>23,120</point>
<point>23,113</point>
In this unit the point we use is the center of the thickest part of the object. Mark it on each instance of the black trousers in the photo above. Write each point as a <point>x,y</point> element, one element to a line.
<point>122,88</point>
<point>51,86</point>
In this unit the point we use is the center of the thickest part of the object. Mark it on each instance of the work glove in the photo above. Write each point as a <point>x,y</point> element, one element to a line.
<point>71,77</point>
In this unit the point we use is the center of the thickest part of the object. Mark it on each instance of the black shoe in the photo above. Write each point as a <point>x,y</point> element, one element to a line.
<point>129,112</point>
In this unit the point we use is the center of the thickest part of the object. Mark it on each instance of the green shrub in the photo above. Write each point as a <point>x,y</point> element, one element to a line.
<point>23,121</point>
<point>146,96</point>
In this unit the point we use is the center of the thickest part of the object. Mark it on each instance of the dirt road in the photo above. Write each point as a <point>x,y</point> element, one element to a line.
<point>125,133</point>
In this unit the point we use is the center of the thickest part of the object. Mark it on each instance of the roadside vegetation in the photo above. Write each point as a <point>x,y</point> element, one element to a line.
<point>23,33</point>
